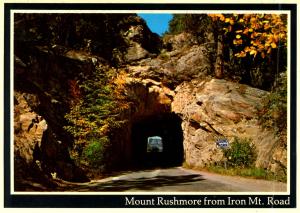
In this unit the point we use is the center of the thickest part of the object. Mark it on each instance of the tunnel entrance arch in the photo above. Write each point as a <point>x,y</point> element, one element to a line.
<point>167,126</point>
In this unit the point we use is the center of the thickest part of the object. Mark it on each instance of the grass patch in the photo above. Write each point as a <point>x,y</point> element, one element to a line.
<point>253,172</point>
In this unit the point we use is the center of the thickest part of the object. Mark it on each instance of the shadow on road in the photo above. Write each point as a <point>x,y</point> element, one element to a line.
<point>143,183</point>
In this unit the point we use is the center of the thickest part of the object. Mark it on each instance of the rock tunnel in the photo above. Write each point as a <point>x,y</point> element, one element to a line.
<point>168,127</point>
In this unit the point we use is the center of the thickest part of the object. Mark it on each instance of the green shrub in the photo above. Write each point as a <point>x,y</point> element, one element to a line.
<point>196,24</point>
<point>241,153</point>
<point>274,112</point>
<point>95,105</point>
<point>94,152</point>
<point>93,116</point>
<point>177,24</point>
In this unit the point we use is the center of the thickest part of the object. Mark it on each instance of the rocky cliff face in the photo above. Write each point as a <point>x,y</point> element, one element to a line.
<point>160,90</point>
<point>210,108</point>
<point>112,37</point>
<point>216,109</point>
<point>29,128</point>
<point>47,63</point>
<point>184,61</point>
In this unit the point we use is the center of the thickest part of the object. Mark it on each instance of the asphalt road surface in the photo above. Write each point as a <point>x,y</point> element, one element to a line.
<point>176,179</point>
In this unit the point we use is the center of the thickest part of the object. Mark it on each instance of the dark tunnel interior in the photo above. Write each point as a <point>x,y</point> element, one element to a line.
<point>168,127</point>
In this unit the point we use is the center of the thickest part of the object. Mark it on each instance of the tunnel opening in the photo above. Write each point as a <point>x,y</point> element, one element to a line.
<point>165,127</point>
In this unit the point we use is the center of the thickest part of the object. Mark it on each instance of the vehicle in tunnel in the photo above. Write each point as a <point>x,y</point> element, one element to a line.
<point>166,126</point>
<point>154,144</point>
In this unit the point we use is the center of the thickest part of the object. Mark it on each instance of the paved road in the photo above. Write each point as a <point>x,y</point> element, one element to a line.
<point>176,179</point>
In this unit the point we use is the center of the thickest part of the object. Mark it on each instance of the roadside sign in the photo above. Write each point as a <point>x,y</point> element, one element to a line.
<point>222,143</point>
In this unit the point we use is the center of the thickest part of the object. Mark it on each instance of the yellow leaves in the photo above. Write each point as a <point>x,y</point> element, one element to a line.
<point>260,15</point>
<point>267,26</point>
<point>120,81</point>
<point>213,17</point>
<point>253,52</point>
<point>80,122</point>
<point>222,17</point>
<point>269,37</point>
<point>216,17</point>
<point>225,29</point>
<point>242,54</point>
<point>260,47</point>
<point>247,16</point>
<point>283,28</point>
<point>252,20</point>
<point>254,43</point>
<point>269,50</point>
<point>237,42</point>
<point>229,20</point>
<point>257,33</point>
<point>245,32</point>
<point>123,106</point>
<point>275,30</point>
<point>104,129</point>
<point>282,36</point>
<point>276,38</point>
<point>273,45</point>
<point>247,49</point>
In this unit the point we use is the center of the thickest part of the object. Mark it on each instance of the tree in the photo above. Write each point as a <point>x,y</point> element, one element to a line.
<point>258,41</point>
<point>176,24</point>
<point>97,109</point>
<point>256,34</point>
<point>195,24</point>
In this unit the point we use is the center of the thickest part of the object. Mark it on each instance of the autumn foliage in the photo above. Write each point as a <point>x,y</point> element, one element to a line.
<point>74,92</point>
<point>93,114</point>
<point>249,48</point>
<point>255,34</point>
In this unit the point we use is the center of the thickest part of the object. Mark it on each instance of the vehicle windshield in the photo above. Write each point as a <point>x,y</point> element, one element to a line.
<point>154,144</point>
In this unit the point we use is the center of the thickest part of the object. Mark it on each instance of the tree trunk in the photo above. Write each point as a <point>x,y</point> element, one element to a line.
<point>219,65</point>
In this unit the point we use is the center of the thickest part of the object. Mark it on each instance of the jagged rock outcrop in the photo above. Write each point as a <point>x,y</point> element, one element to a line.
<point>185,61</point>
<point>113,37</point>
<point>141,43</point>
<point>214,109</point>
<point>210,108</point>
<point>38,151</point>
<point>29,129</point>
<point>52,52</point>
